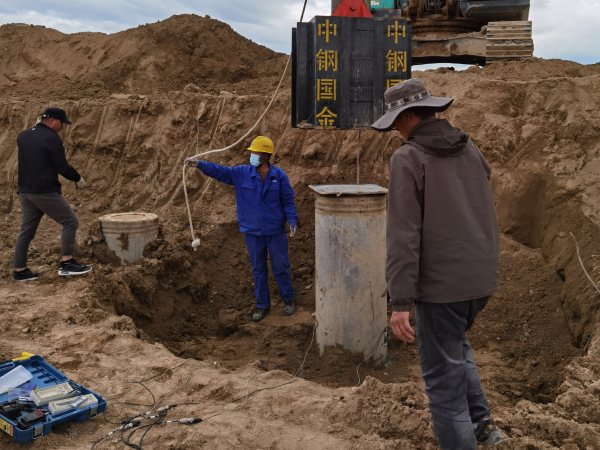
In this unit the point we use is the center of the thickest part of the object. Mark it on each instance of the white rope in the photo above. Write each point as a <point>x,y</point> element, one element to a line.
<point>582,266</point>
<point>195,240</point>
<point>382,338</point>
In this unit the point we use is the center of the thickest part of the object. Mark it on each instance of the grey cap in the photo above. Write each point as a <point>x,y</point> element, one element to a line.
<point>408,94</point>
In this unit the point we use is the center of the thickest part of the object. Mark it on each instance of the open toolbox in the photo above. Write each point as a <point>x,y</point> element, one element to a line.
<point>25,416</point>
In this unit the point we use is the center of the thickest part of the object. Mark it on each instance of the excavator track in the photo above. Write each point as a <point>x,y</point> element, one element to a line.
<point>508,40</point>
<point>440,25</point>
<point>462,32</point>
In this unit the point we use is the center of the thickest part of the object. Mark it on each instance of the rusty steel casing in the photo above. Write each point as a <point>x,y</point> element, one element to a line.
<point>351,301</point>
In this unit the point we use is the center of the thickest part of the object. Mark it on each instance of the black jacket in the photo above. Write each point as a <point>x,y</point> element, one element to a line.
<point>41,160</point>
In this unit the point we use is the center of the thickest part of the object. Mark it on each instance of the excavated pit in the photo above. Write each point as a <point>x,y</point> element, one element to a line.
<point>198,305</point>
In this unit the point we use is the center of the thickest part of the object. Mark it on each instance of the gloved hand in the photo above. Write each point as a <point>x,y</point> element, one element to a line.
<point>293,229</point>
<point>80,184</point>
<point>191,162</point>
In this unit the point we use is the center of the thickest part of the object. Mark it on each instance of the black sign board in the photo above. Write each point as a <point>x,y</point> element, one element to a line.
<point>342,66</point>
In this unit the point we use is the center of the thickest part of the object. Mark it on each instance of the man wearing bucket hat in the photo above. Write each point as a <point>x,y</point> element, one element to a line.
<point>41,160</point>
<point>442,256</point>
<point>265,202</point>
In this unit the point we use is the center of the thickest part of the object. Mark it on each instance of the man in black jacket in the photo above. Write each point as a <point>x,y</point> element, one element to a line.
<point>41,160</point>
<point>442,257</point>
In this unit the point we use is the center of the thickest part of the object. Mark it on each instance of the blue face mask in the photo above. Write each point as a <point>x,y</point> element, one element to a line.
<point>254,160</point>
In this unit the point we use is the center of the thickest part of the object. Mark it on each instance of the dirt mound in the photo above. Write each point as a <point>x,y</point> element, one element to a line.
<point>163,56</point>
<point>537,69</point>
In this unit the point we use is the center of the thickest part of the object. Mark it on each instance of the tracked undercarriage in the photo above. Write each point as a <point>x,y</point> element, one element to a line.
<point>461,31</point>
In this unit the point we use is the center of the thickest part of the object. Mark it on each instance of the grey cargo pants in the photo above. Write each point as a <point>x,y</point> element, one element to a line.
<point>456,400</point>
<point>33,207</point>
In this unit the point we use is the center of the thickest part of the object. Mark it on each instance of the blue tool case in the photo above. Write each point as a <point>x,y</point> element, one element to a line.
<point>44,375</point>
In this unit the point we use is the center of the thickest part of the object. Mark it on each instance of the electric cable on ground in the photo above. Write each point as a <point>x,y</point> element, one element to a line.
<point>582,265</point>
<point>382,338</point>
<point>153,413</point>
<point>248,394</point>
<point>157,415</point>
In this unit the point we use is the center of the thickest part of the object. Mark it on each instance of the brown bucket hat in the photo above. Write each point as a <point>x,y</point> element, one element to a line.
<point>408,94</point>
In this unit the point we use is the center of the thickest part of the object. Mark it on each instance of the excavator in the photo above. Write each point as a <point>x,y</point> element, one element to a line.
<point>343,63</point>
<point>455,31</point>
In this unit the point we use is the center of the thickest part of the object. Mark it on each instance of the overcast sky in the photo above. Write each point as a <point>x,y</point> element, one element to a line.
<point>268,22</point>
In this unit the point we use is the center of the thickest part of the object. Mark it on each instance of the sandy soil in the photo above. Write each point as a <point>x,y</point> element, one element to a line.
<point>178,320</point>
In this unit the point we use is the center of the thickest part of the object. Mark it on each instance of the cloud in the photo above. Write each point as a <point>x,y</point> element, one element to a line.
<point>269,22</point>
<point>64,24</point>
<point>566,30</point>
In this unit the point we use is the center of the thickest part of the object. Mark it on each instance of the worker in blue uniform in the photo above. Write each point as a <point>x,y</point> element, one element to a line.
<point>265,202</point>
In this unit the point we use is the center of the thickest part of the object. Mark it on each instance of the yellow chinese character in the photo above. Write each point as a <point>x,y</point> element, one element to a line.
<point>326,117</point>
<point>327,29</point>
<point>326,89</point>
<point>395,31</point>
<point>396,61</point>
<point>392,82</point>
<point>327,59</point>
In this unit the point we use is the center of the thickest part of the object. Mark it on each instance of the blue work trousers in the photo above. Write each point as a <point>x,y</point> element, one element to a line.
<point>276,245</point>
<point>456,400</point>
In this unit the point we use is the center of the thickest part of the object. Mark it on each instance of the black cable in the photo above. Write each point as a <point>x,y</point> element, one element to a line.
<point>147,379</point>
<point>303,9</point>
<point>159,423</point>
<point>127,443</point>
<point>162,373</point>
<point>98,441</point>
<point>189,403</point>
<point>138,446</point>
<point>145,433</point>
<point>130,423</point>
<point>111,422</point>
<point>262,389</point>
<point>153,405</point>
<point>168,394</point>
<point>313,377</point>
<point>141,383</point>
<point>159,420</point>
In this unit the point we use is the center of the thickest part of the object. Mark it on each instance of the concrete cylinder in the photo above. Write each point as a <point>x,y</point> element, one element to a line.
<point>128,233</point>
<point>351,300</point>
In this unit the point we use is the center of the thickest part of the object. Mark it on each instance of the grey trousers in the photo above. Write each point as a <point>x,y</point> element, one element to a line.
<point>456,400</point>
<point>33,207</point>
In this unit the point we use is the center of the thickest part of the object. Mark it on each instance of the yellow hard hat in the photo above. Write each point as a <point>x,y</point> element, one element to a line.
<point>262,144</point>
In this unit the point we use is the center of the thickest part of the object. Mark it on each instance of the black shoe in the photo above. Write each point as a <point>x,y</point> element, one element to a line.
<point>288,310</point>
<point>72,267</point>
<point>259,314</point>
<point>488,434</point>
<point>25,275</point>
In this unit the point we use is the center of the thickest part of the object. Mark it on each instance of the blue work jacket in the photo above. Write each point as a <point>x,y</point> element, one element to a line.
<point>262,207</point>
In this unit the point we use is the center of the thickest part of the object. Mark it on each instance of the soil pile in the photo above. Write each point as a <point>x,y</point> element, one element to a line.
<point>168,55</point>
<point>538,342</point>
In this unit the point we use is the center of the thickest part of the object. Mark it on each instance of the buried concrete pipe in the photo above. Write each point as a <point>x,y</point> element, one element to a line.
<point>351,297</point>
<point>127,234</point>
